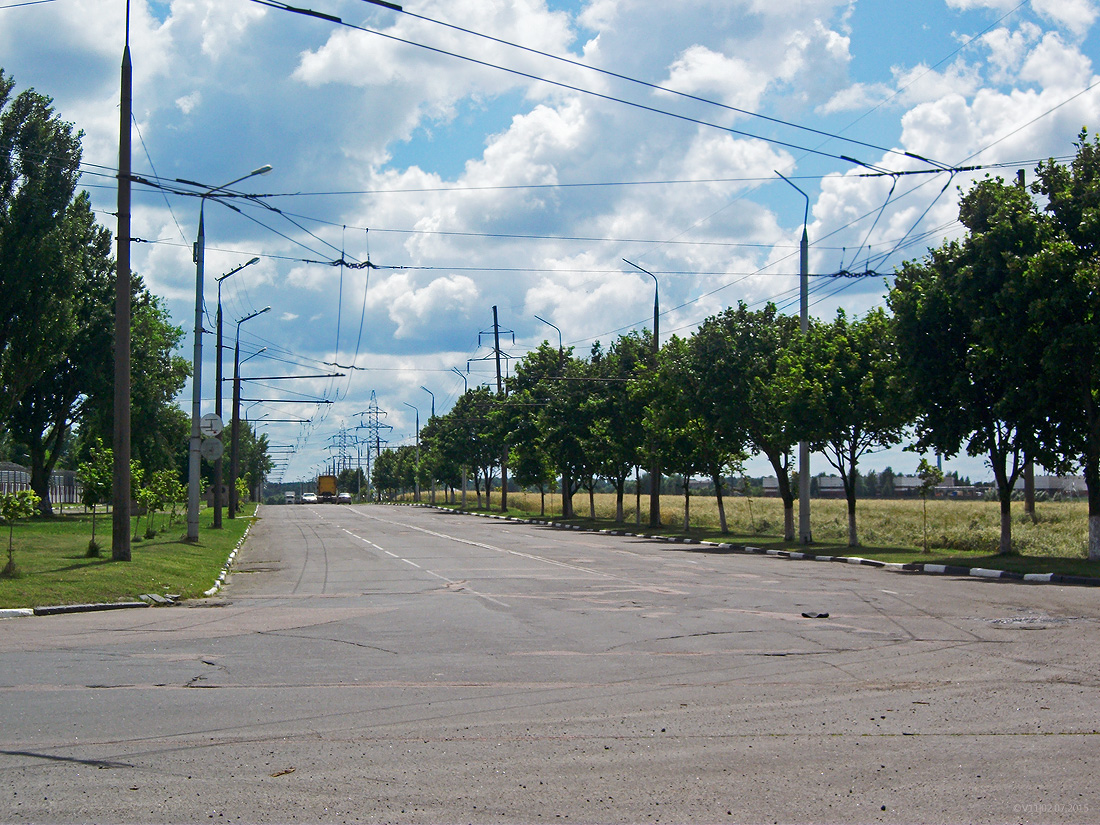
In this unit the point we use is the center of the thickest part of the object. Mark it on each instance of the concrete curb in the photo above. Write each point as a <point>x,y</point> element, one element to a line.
<point>912,567</point>
<point>147,600</point>
<point>232,558</point>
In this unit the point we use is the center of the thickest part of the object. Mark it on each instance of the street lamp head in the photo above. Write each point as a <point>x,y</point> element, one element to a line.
<point>235,270</point>
<point>263,170</point>
<point>253,315</point>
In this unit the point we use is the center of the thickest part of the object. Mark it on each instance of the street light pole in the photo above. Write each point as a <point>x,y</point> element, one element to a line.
<point>655,465</point>
<point>432,394</point>
<point>462,375</point>
<point>804,536</point>
<point>194,457</point>
<point>236,430</point>
<point>416,478</point>
<point>218,395</point>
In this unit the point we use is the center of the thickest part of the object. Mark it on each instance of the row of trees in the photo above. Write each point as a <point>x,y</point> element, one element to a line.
<point>991,345</point>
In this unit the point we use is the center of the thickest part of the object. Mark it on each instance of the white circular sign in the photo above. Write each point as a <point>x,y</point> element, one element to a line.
<point>210,425</point>
<point>212,449</point>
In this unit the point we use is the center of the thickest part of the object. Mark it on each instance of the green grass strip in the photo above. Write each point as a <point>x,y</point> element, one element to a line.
<point>54,568</point>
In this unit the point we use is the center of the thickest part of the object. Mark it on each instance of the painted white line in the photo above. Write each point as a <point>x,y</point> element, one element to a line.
<point>469,590</point>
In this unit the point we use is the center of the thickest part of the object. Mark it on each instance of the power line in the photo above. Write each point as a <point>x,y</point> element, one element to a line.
<point>574,88</point>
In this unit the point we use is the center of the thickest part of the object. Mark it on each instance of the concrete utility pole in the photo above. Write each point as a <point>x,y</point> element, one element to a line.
<point>120,537</point>
<point>432,394</point>
<point>218,393</point>
<point>235,432</point>
<point>500,395</point>
<point>416,478</point>
<point>804,536</point>
<point>194,456</point>
<point>655,464</point>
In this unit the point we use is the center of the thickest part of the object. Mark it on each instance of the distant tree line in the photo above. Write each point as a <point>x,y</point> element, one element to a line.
<point>989,344</point>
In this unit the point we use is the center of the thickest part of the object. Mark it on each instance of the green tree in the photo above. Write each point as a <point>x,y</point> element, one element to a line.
<point>965,341</point>
<point>672,420</point>
<point>618,424</point>
<point>1066,280</point>
<point>160,430</point>
<point>739,352</point>
<point>930,475</point>
<point>96,480</point>
<point>39,169</point>
<point>42,417</point>
<point>548,386</point>
<point>846,394</point>
<point>14,506</point>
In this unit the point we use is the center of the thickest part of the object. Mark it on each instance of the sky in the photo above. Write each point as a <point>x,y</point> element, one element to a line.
<point>517,153</point>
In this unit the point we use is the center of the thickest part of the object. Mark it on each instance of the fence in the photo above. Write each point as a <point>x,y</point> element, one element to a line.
<point>64,485</point>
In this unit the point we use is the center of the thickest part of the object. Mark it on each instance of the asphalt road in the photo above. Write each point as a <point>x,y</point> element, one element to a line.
<point>393,664</point>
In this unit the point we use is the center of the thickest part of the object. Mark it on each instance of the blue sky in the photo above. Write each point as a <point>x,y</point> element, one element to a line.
<point>420,160</point>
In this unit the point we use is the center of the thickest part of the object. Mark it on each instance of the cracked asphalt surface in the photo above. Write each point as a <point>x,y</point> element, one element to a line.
<point>390,664</point>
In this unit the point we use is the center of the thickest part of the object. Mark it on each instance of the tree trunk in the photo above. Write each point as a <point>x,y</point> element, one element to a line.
<point>592,500</point>
<point>620,492</point>
<point>783,479</point>
<point>1006,524</point>
<point>853,539</point>
<point>722,526</point>
<point>1092,482</point>
<point>566,496</point>
<point>40,481</point>
<point>687,505</point>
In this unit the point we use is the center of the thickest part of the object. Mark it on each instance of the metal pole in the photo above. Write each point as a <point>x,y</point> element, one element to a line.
<point>218,473</point>
<point>500,397</point>
<point>804,536</point>
<point>432,394</point>
<point>235,437</point>
<point>193,456</point>
<point>655,465</point>
<point>235,432</point>
<point>416,477</point>
<point>120,536</point>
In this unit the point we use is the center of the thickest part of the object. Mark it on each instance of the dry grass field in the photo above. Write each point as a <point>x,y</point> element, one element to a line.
<point>964,530</point>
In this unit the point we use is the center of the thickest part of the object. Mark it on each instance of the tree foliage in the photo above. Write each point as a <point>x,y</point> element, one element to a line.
<point>40,239</point>
<point>965,341</point>
<point>846,394</point>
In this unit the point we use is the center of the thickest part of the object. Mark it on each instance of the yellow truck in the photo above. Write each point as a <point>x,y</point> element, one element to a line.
<point>326,488</point>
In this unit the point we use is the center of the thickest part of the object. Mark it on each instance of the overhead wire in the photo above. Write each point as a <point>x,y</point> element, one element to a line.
<point>566,86</point>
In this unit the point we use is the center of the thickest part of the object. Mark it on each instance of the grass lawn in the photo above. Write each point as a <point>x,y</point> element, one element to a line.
<point>962,533</point>
<point>53,566</point>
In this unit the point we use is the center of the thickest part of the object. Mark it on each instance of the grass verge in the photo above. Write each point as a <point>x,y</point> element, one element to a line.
<point>54,569</point>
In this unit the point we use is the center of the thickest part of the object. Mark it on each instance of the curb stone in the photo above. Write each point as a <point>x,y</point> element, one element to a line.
<point>232,558</point>
<point>147,600</point>
<point>907,567</point>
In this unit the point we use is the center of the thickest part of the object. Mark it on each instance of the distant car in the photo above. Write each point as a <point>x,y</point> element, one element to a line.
<point>309,498</point>
<point>343,498</point>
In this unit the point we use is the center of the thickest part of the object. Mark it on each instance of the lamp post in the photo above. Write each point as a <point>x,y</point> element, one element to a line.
<point>218,396</point>
<point>193,457</point>
<point>416,478</point>
<point>804,536</point>
<point>655,465</point>
<point>462,375</point>
<point>432,394</point>
<point>561,361</point>
<point>235,437</point>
